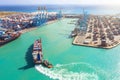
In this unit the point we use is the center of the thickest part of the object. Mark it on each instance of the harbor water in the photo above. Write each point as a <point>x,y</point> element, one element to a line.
<point>70,62</point>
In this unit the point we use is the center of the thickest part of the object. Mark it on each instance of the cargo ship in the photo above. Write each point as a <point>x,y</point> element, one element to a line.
<point>4,39</point>
<point>38,55</point>
<point>37,52</point>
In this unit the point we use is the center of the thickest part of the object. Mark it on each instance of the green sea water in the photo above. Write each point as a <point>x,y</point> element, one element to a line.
<point>70,62</point>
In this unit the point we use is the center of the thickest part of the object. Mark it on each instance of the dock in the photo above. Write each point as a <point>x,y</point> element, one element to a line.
<point>102,32</point>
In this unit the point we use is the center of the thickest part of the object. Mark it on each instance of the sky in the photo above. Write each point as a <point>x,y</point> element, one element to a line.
<point>78,2</point>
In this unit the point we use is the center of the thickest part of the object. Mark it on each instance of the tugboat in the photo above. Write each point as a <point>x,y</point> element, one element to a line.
<point>38,55</point>
<point>47,64</point>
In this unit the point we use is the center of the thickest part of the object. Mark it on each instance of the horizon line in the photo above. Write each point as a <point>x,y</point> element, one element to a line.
<point>58,4</point>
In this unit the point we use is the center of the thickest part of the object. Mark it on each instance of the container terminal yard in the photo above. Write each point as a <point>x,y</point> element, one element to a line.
<point>19,22</point>
<point>101,31</point>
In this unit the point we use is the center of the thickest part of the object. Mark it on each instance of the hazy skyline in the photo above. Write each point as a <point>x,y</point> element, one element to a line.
<point>78,2</point>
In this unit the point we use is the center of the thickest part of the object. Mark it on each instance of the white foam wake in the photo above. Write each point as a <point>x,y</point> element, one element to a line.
<point>64,74</point>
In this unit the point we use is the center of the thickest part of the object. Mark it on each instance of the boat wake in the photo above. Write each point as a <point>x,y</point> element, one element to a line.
<point>71,71</point>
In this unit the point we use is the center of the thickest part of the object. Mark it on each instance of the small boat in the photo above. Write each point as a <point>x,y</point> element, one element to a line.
<point>47,64</point>
<point>73,35</point>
